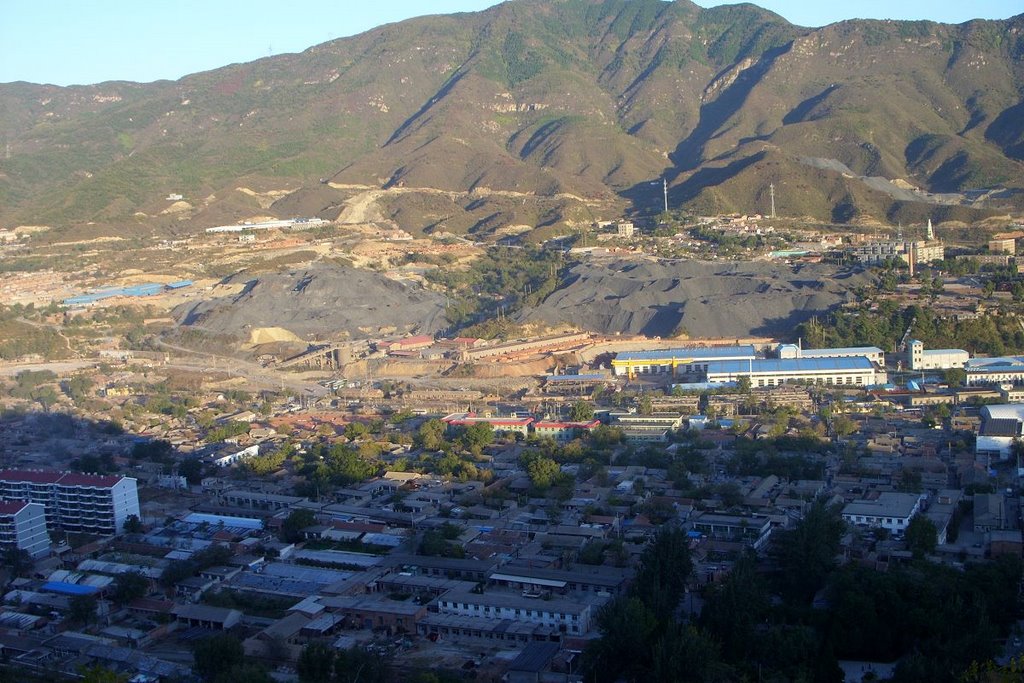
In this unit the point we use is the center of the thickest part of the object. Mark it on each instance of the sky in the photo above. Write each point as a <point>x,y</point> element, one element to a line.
<point>79,42</point>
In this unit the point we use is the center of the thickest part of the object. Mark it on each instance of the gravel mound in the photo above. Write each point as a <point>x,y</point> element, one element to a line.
<point>319,302</point>
<point>702,299</point>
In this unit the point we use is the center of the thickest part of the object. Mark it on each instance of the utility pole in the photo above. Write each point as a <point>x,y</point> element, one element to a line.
<point>771,189</point>
<point>664,188</point>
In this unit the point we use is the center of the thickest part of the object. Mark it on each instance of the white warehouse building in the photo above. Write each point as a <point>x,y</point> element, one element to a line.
<point>1000,426</point>
<point>919,358</point>
<point>855,371</point>
<point>1001,370</point>
<point>872,353</point>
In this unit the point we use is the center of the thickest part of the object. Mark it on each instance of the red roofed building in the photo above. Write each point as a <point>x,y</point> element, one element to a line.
<point>421,341</point>
<point>517,425</point>
<point>75,502</point>
<point>564,431</point>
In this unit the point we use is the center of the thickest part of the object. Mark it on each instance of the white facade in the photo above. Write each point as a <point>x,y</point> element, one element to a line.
<point>558,614</point>
<point>1000,426</point>
<point>228,459</point>
<point>1002,370</point>
<point>854,371</point>
<point>77,503</point>
<point>934,359</point>
<point>890,511</point>
<point>872,353</point>
<point>23,525</point>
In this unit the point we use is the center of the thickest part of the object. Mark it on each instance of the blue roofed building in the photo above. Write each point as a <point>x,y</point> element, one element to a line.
<point>855,371</point>
<point>678,361</point>
<point>1001,370</point>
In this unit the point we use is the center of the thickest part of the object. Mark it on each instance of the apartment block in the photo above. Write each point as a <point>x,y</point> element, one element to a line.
<point>75,502</point>
<point>23,525</point>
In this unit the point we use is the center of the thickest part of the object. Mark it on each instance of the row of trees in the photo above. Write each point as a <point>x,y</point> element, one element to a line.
<point>792,618</point>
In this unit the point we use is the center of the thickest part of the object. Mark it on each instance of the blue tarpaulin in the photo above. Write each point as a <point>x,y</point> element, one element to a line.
<point>69,588</point>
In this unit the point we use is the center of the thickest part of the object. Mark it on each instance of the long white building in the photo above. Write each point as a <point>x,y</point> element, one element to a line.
<point>855,371</point>
<point>872,353</point>
<point>23,525</point>
<point>559,614</point>
<point>75,502</point>
<point>1001,370</point>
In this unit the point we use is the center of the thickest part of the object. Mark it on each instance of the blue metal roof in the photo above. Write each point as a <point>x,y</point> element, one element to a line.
<point>995,364</point>
<point>695,352</point>
<point>69,588</point>
<point>774,365</point>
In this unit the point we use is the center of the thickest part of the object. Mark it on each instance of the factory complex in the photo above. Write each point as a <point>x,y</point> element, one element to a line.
<point>860,366</point>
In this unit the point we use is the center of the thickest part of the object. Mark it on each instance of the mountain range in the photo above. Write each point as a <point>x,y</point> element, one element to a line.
<point>541,115</point>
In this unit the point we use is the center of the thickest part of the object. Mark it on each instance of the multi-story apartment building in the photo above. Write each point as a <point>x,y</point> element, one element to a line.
<point>75,502</point>
<point>23,525</point>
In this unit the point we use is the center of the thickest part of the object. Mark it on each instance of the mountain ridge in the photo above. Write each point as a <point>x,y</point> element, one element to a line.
<point>596,99</point>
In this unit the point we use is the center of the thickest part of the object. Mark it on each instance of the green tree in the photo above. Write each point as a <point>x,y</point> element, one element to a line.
<point>359,666</point>
<point>192,470</point>
<point>665,567</point>
<point>842,426</point>
<point>217,655</point>
<point>157,450</point>
<point>743,384</point>
<point>82,608</point>
<point>478,435</point>
<point>133,525</point>
<point>294,523</point>
<point>581,411</point>
<point>921,536</point>
<point>955,377</point>
<point>430,435</point>
<point>316,663</point>
<point>247,672</point>
<point>806,553</point>
<point>100,674</point>
<point>543,471</point>
<point>77,387</point>
<point>17,560</point>
<point>129,586</point>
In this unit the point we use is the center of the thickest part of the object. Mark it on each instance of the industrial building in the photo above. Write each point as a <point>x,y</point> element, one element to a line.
<point>854,371</point>
<point>23,526</point>
<point>74,502</point>
<point>678,361</point>
<point>1000,426</point>
<point>872,353</point>
<point>919,358</point>
<point>1000,370</point>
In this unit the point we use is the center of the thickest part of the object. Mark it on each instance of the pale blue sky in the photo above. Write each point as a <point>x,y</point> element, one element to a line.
<point>88,41</point>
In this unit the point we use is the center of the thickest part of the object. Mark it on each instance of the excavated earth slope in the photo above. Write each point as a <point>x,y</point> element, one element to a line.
<point>696,298</point>
<point>319,302</point>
